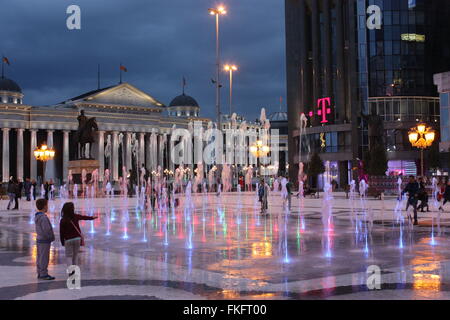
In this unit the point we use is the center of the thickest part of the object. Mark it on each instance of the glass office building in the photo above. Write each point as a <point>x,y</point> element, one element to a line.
<point>389,71</point>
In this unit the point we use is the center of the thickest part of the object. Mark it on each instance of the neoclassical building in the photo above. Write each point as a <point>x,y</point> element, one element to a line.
<point>132,125</point>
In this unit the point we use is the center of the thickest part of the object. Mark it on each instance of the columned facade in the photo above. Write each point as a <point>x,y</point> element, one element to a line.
<point>5,155</point>
<point>132,128</point>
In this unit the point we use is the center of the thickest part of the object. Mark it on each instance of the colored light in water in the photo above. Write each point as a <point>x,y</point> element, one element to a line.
<point>92,231</point>
<point>125,233</point>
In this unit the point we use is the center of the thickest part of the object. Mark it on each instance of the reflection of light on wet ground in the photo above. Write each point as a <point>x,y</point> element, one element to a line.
<point>234,240</point>
<point>429,282</point>
<point>261,249</point>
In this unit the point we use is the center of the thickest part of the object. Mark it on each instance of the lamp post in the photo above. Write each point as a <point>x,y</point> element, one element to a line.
<point>259,149</point>
<point>421,137</point>
<point>231,69</point>
<point>44,154</point>
<point>217,12</point>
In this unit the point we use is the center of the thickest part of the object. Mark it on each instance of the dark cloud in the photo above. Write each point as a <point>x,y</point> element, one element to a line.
<point>159,41</point>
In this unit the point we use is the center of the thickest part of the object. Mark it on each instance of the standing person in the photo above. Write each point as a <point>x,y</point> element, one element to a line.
<point>18,195</point>
<point>263,193</point>
<point>34,185</point>
<point>51,189</point>
<point>412,188</point>
<point>27,188</point>
<point>11,191</point>
<point>47,189</point>
<point>445,196</point>
<point>289,187</point>
<point>70,232</point>
<point>44,239</point>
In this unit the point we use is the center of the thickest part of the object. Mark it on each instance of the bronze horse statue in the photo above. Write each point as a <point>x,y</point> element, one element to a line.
<point>84,136</point>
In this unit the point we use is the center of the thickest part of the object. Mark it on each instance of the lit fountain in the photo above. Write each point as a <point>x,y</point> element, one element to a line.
<point>301,179</point>
<point>327,216</point>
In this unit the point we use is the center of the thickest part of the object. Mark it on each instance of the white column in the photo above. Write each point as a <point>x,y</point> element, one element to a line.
<point>128,162</point>
<point>20,154</point>
<point>101,155</point>
<point>148,158</point>
<point>66,157</point>
<point>160,151</point>
<point>33,162</point>
<point>5,156</point>
<point>115,156</point>
<point>50,165</point>
<point>141,151</point>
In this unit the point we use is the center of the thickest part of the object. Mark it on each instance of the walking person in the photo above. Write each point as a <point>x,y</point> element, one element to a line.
<point>11,192</point>
<point>44,239</point>
<point>412,188</point>
<point>423,197</point>
<point>70,232</point>
<point>445,196</point>
<point>27,188</point>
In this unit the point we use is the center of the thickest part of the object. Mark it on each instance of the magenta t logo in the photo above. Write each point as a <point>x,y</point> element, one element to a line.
<point>324,108</point>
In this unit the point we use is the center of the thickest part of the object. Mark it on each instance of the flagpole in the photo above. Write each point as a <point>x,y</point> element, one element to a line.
<point>3,67</point>
<point>120,73</point>
<point>98,76</point>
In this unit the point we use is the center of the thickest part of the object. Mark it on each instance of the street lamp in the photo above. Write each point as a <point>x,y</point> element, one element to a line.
<point>421,137</point>
<point>231,69</point>
<point>259,149</point>
<point>44,154</point>
<point>217,12</point>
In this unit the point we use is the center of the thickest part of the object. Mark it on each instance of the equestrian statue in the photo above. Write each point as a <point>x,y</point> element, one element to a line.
<point>85,135</point>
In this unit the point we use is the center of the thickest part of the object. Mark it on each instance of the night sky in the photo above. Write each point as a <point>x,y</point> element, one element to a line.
<point>159,42</point>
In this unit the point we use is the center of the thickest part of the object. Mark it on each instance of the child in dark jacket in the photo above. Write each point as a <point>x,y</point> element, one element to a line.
<point>70,232</point>
<point>44,239</point>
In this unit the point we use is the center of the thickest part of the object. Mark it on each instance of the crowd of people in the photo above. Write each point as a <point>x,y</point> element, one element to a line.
<point>417,191</point>
<point>17,188</point>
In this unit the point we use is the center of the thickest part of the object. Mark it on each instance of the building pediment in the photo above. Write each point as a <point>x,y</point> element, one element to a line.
<point>124,94</point>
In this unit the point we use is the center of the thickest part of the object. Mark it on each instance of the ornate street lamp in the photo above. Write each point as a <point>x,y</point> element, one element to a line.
<point>44,154</point>
<point>421,137</point>
<point>259,149</point>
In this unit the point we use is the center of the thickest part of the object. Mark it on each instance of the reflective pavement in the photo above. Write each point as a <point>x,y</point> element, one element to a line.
<point>212,247</point>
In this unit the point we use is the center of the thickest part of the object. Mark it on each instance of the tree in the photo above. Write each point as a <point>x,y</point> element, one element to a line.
<point>376,161</point>
<point>315,167</point>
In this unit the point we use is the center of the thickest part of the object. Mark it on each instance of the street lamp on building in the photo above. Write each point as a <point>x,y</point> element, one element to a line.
<point>217,12</point>
<point>421,137</point>
<point>44,154</point>
<point>231,69</point>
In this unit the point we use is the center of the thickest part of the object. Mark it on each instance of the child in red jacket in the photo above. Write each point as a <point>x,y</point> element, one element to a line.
<point>70,232</point>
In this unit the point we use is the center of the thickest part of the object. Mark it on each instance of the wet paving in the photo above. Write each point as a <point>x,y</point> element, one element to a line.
<point>221,247</point>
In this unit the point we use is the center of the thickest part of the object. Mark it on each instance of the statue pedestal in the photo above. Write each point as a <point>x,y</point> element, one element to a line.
<point>77,167</point>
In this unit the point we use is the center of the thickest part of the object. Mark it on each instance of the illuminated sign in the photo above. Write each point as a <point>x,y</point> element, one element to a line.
<point>323,141</point>
<point>413,37</point>
<point>323,105</point>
